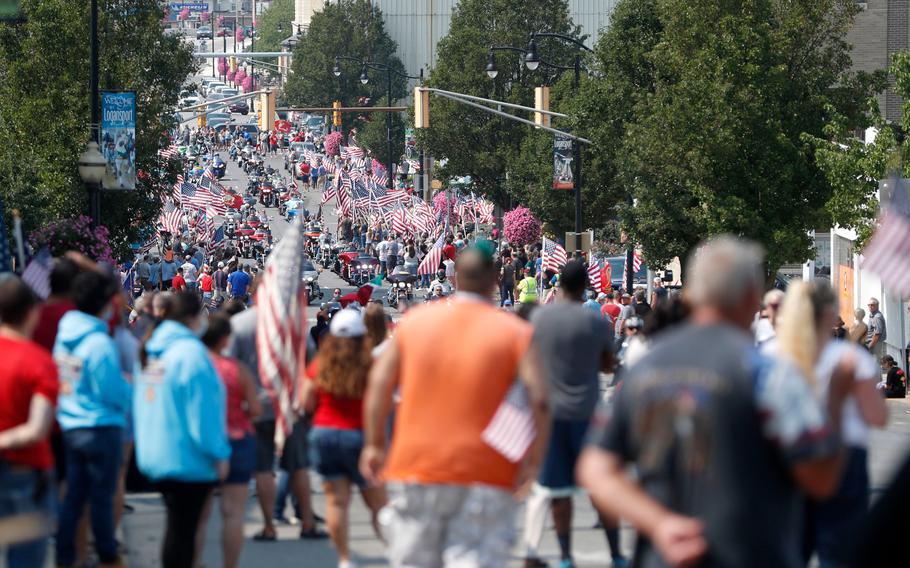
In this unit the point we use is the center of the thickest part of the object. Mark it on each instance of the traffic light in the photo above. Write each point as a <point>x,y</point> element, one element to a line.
<point>336,114</point>
<point>232,64</point>
<point>542,102</point>
<point>200,119</point>
<point>421,108</point>
<point>267,110</point>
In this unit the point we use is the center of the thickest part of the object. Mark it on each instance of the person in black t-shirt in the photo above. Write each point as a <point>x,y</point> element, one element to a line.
<point>896,381</point>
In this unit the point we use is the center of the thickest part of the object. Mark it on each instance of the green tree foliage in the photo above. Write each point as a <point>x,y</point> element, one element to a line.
<point>44,107</point>
<point>373,135</point>
<point>350,28</point>
<point>473,142</point>
<point>717,144</point>
<point>274,25</point>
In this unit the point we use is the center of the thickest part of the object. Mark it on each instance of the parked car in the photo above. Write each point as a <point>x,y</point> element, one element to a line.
<point>239,106</point>
<point>204,32</point>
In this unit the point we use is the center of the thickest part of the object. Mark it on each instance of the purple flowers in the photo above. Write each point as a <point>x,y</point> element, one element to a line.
<point>520,226</point>
<point>333,143</point>
<point>62,236</point>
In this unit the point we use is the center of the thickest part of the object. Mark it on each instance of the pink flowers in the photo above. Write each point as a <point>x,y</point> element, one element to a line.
<point>248,85</point>
<point>520,226</point>
<point>333,143</point>
<point>204,17</point>
<point>184,15</point>
<point>222,66</point>
<point>77,235</point>
<point>238,35</point>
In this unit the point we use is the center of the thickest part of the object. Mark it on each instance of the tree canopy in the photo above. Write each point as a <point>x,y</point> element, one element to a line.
<point>350,28</point>
<point>274,25</point>
<point>44,107</point>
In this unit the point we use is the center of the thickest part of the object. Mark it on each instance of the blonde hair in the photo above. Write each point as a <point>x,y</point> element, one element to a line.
<point>798,321</point>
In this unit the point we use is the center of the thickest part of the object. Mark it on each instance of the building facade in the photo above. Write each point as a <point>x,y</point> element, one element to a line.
<point>881,29</point>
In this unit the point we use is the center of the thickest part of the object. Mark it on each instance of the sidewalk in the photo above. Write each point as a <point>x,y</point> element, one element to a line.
<point>143,528</point>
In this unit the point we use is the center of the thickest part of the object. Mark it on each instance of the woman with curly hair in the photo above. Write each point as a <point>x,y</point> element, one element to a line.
<point>334,396</point>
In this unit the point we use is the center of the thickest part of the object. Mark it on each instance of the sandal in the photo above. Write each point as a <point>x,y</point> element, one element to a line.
<point>313,534</point>
<point>262,536</point>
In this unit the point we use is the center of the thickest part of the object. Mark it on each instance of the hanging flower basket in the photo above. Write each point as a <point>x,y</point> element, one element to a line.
<point>248,84</point>
<point>204,17</point>
<point>332,143</point>
<point>238,35</point>
<point>520,226</point>
<point>184,15</point>
<point>64,235</point>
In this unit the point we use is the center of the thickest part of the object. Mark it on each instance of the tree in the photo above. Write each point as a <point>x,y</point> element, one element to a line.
<point>350,28</point>
<point>274,25</point>
<point>473,142</point>
<point>44,104</point>
<point>717,145</point>
<point>373,135</point>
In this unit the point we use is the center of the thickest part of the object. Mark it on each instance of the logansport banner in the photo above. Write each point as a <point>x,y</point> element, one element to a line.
<point>118,139</point>
<point>562,163</point>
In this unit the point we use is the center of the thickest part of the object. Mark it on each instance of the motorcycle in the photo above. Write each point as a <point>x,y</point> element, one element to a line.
<point>218,166</point>
<point>401,287</point>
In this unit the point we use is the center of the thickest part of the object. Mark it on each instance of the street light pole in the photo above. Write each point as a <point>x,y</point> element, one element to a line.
<point>388,125</point>
<point>94,196</point>
<point>577,147</point>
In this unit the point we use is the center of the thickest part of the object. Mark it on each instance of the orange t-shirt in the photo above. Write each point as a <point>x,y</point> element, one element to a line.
<point>456,364</point>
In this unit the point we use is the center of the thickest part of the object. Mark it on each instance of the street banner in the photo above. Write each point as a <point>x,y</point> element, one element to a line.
<point>191,6</point>
<point>562,163</point>
<point>118,139</point>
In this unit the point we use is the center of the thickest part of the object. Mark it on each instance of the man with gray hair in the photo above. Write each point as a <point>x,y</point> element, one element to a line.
<point>727,443</point>
<point>877,332</point>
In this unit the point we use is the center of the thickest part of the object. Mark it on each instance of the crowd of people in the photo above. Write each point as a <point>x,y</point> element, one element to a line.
<point>744,415</point>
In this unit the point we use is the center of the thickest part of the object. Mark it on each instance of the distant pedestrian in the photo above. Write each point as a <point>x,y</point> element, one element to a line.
<point>878,330</point>
<point>858,329</point>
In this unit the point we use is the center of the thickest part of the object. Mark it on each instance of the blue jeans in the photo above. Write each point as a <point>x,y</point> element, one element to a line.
<point>335,454</point>
<point>26,492</point>
<point>93,457</point>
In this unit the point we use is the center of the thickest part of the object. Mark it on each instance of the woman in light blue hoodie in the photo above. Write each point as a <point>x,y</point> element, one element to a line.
<point>179,420</point>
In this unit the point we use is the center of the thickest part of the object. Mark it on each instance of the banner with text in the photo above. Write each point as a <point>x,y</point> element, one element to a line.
<point>118,139</point>
<point>562,163</point>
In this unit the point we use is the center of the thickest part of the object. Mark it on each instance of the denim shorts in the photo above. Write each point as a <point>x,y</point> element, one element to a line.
<point>335,454</point>
<point>566,442</point>
<point>243,460</point>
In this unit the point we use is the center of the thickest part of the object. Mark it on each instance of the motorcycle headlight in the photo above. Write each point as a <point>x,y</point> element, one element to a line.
<point>309,279</point>
<point>401,285</point>
<point>409,284</point>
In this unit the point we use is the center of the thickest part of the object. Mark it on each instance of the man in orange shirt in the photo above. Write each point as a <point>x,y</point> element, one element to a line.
<point>451,494</point>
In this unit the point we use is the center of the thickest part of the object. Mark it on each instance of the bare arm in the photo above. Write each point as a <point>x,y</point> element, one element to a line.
<point>377,404</point>
<point>530,375</point>
<point>253,404</point>
<point>871,403</point>
<point>679,539</point>
<point>306,395</point>
<point>35,429</point>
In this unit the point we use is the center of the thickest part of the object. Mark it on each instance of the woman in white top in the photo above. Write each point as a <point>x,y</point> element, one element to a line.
<point>808,314</point>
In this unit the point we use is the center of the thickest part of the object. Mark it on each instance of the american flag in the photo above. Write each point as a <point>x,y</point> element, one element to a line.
<point>430,263</point>
<point>217,192</point>
<point>511,431</point>
<point>554,256</point>
<point>484,210</point>
<point>636,261</point>
<point>171,218</point>
<point>382,196</point>
<point>169,153</point>
<point>380,176</point>
<point>424,218</point>
<point>281,303</point>
<point>594,275</point>
<point>217,241</point>
<point>327,194</point>
<point>888,253</point>
<point>413,165</point>
<point>177,188</point>
<point>400,222</point>
<point>38,274</point>
<point>352,152</point>
<point>6,259</point>
<point>148,246</point>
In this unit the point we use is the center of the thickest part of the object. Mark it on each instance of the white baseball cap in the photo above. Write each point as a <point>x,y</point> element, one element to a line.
<point>347,323</point>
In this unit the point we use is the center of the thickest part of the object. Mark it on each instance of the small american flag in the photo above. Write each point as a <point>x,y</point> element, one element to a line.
<point>38,274</point>
<point>636,261</point>
<point>327,194</point>
<point>430,263</point>
<point>511,431</point>
<point>280,319</point>
<point>594,274</point>
<point>400,222</point>
<point>171,218</point>
<point>888,253</point>
<point>554,256</point>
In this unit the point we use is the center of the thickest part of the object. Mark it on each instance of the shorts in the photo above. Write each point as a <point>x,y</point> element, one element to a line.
<point>432,526</point>
<point>243,460</point>
<point>567,439</point>
<point>335,454</point>
<point>293,458</point>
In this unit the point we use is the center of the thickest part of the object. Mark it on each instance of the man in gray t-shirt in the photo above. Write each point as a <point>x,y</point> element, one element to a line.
<point>574,344</point>
<point>878,332</point>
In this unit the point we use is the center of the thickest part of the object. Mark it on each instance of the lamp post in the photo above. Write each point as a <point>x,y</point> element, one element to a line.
<point>91,163</point>
<point>365,66</point>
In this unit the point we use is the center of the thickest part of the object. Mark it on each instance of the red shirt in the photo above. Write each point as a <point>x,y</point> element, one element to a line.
<point>26,369</point>
<point>205,283</point>
<point>449,251</point>
<point>51,312</point>
<point>333,411</point>
<point>611,309</point>
<point>178,283</point>
<point>304,169</point>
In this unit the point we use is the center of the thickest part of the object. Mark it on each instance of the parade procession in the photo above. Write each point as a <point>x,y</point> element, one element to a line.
<point>454,283</point>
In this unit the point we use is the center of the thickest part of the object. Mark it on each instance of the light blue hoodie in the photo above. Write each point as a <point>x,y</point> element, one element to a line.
<point>93,392</point>
<point>179,409</point>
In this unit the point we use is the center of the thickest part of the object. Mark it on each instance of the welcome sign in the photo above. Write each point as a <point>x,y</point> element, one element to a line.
<point>118,139</point>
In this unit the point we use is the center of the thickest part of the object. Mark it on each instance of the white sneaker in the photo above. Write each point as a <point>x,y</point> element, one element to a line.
<point>346,564</point>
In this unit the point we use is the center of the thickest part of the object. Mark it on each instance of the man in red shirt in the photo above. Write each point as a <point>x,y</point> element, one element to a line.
<point>179,283</point>
<point>610,308</point>
<point>449,251</point>
<point>207,285</point>
<point>28,394</point>
<point>57,304</point>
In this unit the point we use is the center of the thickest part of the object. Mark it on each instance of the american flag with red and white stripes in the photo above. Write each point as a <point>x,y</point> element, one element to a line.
<point>170,152</point>
<point>430,263</point>
<point>176,189</point>
<point>400,223</point>
<point>594,271</point>
<point>424,218</point>
<point>511,431</point>
<point>636,261</point>
<point>171,218</point>
<point>888,253</point>
<point>280,319</point>
<point>327,194</point>
<point>553,255</point>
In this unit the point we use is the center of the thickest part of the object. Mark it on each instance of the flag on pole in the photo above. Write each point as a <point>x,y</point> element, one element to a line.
<point>400,221</point>
<point>38,274</point>
<point>280,321</point>
<point>511,431</point>
<point>554,256</point>
<point>888,253</point>
<point>430,263</point>
<point>594,275</point>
